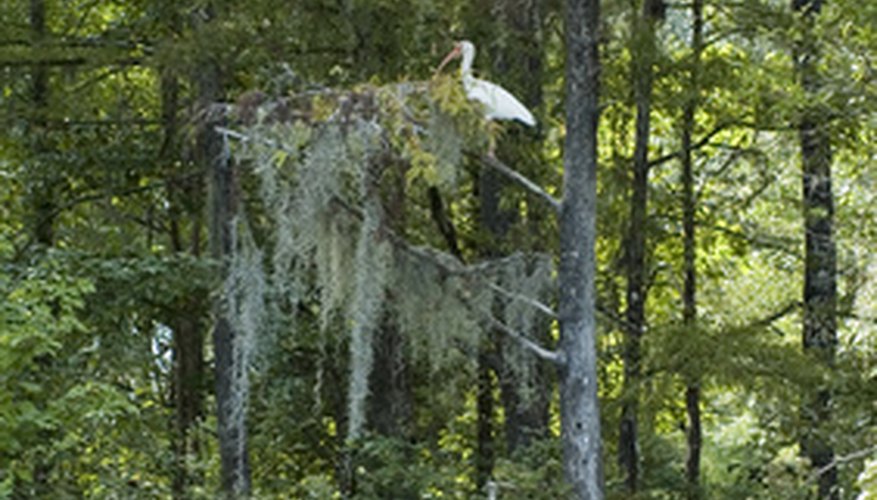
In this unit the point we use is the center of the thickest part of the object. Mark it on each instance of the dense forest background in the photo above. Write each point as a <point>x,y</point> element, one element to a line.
<point>260,249</point>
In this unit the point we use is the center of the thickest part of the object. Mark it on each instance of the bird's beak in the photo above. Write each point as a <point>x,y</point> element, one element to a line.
<point>454,53</point>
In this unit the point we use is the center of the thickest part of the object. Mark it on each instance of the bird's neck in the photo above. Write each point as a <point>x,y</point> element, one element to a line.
<point>466,65</point>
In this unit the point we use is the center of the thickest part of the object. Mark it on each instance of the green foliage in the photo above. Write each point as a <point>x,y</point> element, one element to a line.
<point>54,418</point>
<point>30,333</point>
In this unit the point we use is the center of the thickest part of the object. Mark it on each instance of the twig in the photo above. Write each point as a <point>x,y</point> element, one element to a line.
<point>697,145</point>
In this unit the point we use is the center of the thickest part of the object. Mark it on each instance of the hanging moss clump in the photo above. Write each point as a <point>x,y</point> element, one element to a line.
<point>327,166</point>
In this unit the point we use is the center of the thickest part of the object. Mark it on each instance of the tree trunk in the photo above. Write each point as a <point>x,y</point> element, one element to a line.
<point>643,47</point>
<point>231,431</point>
<point>689,292</point>
<point>820,273</point>
<point>579,406</point>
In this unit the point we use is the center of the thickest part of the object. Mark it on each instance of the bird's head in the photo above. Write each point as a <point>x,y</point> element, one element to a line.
<point>463,48</point>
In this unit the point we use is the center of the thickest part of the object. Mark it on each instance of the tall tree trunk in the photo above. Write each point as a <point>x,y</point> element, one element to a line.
<point>487,190</point>
<point>820,273</point>
<point>579,406</point>
<point>41,196</point>
<point>211,156</point>
<point>643,48</point>
<point>187,320</point>
<point>235,469</point>
<point>689,292</point>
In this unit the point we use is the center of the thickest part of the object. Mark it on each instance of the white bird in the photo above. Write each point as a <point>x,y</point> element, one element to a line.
<point>497,101</point>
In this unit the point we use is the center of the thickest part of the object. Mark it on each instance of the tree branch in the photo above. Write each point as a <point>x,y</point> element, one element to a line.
<point>88,198</point>
<point>68,61</point>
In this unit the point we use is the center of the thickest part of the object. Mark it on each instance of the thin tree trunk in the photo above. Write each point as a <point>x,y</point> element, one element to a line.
<point>494,222</point>
<point>42,197</point>
<point>485,448</point>
<point>579,406</point>
<point>820,273</point>
<point>188,384</point>
<point>689,293</point>
<point>635,246</point>
<point>519,61</point>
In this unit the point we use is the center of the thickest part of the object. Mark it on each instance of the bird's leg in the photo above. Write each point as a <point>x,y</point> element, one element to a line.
<point>492,133</point>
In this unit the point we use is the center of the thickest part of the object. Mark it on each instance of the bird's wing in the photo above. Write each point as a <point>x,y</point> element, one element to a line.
<point>499,102</point>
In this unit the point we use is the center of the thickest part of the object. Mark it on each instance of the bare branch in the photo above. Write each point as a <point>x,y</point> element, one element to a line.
<point>529,185</point>
<point>554,357</point>
<point>852,457</point>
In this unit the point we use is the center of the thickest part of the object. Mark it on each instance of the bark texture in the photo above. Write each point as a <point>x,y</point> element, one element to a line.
<point>820,273</point>
<point>579,406</point>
